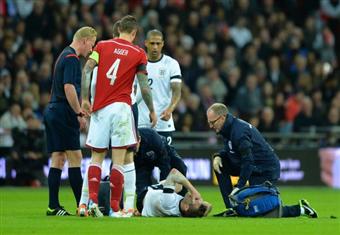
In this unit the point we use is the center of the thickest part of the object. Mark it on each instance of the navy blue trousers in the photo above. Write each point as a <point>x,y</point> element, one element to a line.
<point>231,169</point>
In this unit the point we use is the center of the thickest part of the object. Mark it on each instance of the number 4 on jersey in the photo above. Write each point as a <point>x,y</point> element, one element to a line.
<point>112,72</point>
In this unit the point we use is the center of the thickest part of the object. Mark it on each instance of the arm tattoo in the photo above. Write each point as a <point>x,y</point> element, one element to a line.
<point>176,94</point>
<point>86,78</point>
<point>145,90</point>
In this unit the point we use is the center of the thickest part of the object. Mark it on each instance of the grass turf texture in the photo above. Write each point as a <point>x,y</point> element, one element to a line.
<point>22,211</point>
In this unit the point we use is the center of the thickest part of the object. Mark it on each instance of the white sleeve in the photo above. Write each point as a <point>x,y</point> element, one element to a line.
<point>139,97</point>
<point>93,84</point>
<point>175,72</point>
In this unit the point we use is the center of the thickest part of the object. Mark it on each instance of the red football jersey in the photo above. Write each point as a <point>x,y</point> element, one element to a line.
<point>118,62</point>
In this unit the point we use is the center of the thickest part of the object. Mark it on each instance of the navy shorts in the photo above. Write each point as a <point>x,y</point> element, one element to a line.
<point>167,135</point>
<point>62,128</point>
<point>134,108</point>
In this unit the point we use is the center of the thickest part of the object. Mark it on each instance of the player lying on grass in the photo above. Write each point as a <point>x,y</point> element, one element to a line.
<point>162,200</point>
<point>152,151</point>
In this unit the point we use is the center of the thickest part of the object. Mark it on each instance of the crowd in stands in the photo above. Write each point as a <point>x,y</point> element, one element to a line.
<point>273,63</point>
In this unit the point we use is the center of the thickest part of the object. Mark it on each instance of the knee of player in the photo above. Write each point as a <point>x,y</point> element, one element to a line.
<point>58,160</point>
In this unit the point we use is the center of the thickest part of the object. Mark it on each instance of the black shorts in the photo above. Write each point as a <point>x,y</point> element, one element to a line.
<point>134,108</point>
<point>167,135</point>
<point>62,128</point>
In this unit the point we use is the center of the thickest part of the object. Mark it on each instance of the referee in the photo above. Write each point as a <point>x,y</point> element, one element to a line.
<point>64,117</point>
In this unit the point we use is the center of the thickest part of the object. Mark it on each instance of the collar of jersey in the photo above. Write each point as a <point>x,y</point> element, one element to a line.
<point>179,206</point>
<point>122,41</point>
<point>155,61</point>
<point>226,126</point>
<point>72,49</point>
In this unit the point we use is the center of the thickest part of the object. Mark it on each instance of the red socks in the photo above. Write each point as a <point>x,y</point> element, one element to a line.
<point>116,185</point>
<point>94,176</point>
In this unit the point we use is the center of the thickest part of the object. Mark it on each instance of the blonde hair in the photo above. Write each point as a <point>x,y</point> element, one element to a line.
<point>85,32</point>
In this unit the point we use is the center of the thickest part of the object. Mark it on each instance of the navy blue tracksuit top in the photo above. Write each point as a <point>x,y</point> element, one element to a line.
<point>247,150</point>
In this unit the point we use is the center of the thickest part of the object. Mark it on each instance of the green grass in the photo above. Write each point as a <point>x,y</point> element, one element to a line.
<point>22,211</point>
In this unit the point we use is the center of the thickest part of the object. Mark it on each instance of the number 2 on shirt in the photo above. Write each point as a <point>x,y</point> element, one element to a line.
<point>112,72</point>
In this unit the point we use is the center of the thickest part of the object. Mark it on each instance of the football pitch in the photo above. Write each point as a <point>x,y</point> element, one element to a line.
<point>22,211</point>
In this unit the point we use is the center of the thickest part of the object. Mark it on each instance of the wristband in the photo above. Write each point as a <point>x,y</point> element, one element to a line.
<point>80,114</point>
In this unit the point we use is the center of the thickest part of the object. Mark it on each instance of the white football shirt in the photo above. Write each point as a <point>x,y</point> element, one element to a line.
<point>161,74</point>
<point>160,204</point>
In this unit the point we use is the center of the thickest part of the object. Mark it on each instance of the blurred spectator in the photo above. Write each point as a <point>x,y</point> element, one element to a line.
<point>335,102</point>
<point>40,22</point>
<point>279,111</point>
<point>293,106</point>
<point>194,119</point>
<point>233,84</point>
<point>267,122</point>
<point>248,98</point>
<point>29,148</point>
<point>305,119</point>
<point>249,60</point>
<point>206,95</point>
<point>268,94</point>
<point>213,80</point>
<point>229,59</point>
<point>331,12</point>
<point>44,77</point>
<point>310,33</point>
<point>24,7</point>
<point>319,107</point>
<point>8,121</point>
<point>193,26</point>
<point>240,33</point>
<point>5,90</point>
<point>23,85</point>
<point>151,21</point>
<point>333,117</point>
<point>189,71</point>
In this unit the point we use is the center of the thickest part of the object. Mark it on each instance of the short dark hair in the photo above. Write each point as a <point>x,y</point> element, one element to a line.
<point>128,24</point>
<point>115,29</point>
<point>154,32</point>
<point>199,212</point>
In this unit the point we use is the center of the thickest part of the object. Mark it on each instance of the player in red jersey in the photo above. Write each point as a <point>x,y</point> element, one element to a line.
<point>118,62</point>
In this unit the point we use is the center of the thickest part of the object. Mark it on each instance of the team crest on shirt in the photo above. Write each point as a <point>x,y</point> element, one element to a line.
<point>230,147</point>
<point>162,72</point>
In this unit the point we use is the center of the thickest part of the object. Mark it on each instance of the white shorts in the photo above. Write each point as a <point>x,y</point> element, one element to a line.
<point>114,122</point>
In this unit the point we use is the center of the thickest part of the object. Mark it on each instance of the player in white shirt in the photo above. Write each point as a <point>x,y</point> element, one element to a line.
<point>164,76</point>
<point>163,201</point>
